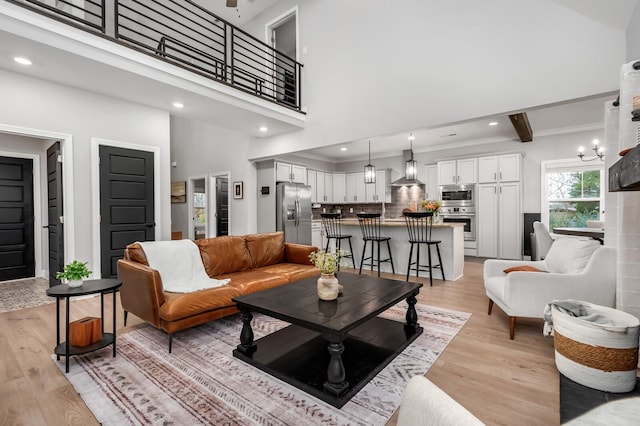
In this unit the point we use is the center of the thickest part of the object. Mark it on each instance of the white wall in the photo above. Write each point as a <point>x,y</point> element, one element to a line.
<point>382,68</point>
<point>200,149</point>
<point>38,147</point>
<point>39,104</point>
<point>633,36</point>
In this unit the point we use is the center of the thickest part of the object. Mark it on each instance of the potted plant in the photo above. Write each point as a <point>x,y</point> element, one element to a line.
<point>73,273</point>
<point>327,262</point>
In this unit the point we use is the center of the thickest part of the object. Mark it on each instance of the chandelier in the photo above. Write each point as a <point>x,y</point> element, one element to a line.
<point>599,150</point>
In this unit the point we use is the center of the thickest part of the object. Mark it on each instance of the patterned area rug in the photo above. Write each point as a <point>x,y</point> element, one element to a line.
<point>202,383</point>
<point>22,294</point>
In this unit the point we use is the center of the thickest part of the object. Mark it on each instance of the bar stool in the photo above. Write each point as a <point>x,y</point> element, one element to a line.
<point>419,226</point>
<point>333,230</point>
<point>370,227</point>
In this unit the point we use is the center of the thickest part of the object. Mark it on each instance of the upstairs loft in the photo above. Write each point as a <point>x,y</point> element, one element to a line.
<point>168,51</point>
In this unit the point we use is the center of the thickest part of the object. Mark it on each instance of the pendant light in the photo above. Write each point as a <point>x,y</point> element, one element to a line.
<point>411,165</point>
<point>369,169</point>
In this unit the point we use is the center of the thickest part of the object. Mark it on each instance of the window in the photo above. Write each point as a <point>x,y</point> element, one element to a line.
<point>573,193</point>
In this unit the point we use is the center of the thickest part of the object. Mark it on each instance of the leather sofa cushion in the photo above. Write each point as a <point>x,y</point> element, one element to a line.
<point>266,249</point>
<point>254,280</point>
<point>182,305</point>
<point>223,255</point>
<point>292,271</point>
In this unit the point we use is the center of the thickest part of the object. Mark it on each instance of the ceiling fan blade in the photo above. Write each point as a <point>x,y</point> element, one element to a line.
<point>232,3</point>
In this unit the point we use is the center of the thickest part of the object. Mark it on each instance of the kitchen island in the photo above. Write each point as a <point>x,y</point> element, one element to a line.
<point>451,248</point>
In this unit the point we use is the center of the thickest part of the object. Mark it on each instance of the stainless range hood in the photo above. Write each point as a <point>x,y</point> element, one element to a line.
<point>403,181</point>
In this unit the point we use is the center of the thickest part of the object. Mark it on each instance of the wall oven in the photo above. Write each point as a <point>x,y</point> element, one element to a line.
<point>457,195</point>
<point>464,215</point>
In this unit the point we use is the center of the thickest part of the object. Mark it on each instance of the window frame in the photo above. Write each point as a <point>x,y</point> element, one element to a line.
<point>569,165</point>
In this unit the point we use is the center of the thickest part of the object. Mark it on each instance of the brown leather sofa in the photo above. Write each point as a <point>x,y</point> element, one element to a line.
<point>253,262</point>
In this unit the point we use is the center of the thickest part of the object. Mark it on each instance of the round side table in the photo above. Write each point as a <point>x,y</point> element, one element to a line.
<point>63,291</point>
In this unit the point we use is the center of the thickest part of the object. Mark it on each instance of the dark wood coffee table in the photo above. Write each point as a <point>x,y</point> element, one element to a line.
<point>332,348</point>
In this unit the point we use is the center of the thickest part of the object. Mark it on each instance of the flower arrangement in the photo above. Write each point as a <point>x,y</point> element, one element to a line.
<point>74,271</point>
<point>431,206</point>
<point>327,262</point>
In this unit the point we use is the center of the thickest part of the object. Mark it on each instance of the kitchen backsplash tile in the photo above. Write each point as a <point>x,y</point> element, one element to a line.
<point>401,197</point>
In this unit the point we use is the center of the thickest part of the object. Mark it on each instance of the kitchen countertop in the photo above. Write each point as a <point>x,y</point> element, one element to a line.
<point>398,222</point>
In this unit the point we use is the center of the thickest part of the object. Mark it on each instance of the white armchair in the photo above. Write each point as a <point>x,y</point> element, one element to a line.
<point>574,269</point>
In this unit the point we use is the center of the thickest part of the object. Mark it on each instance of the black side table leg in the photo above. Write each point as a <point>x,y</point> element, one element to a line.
<point>66,345</point>
<point>57,325</point>
<point>114,323</point>
<point>246,345</point>
<point>412,315</point>
<point>336,383</point>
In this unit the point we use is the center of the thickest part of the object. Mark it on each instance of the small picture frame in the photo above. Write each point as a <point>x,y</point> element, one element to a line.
<point>178,192</point>
<point>238,190</point>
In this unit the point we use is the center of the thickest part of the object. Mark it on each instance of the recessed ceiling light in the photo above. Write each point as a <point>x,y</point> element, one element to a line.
<point>344,148</point>
<point>22,61</point>
<point>178,104</point>
<point>493,123</point>
<point>264,128</point>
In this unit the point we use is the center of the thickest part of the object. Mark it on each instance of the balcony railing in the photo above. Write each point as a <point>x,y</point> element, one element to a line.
<point>187,35</point>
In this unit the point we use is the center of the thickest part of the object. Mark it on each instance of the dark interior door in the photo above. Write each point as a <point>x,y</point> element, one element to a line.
<point>126,203</point>
<point>222,206</point>
<point>54,208</point>
<point>17,259</point>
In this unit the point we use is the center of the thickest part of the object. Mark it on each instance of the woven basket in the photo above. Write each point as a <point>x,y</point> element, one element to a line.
<point>603,357</point>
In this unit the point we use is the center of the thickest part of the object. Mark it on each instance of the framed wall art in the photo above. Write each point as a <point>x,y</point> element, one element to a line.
<point>238,190</point>
<point>178,192</point>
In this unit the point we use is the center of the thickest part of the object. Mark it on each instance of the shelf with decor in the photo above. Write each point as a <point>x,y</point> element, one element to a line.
<point>624,175</point>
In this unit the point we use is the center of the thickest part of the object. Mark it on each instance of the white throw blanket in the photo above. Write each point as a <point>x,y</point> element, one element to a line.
<point>180,266</point>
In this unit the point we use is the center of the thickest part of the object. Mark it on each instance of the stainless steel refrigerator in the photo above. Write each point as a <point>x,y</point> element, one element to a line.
<point>293,212</point>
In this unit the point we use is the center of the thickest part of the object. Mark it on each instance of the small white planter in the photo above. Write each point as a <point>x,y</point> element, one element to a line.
<point>74,283</point>
<point>599,356</point>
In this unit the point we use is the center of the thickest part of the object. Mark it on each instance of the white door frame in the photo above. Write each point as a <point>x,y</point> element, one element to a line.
<point>268,28</point>
<point>66,147</point>
<point>190,231</point>
<point>95,191</point>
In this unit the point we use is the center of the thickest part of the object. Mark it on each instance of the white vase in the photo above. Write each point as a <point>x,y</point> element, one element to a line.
<point>74,283</point>
<point>328,287</point>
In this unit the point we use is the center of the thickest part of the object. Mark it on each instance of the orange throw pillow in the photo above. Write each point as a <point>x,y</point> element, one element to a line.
<point>525,268</point>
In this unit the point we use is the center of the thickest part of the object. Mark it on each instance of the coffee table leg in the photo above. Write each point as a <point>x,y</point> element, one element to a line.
<point>336,383</point>
<point>246,345</point>
<point>412,315</point>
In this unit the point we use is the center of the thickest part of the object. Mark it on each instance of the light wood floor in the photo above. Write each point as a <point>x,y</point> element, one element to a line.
<point>501,381</point>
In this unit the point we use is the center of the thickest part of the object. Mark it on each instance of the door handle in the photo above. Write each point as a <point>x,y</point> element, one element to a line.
<point>45,227</point>
<point>150,225</point>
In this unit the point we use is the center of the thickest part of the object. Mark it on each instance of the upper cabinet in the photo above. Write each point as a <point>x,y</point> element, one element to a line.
<point>339,187</point>
<point>356,188</point>
<point>499,168</point>
<point>290,173</point>
<point>431,182</point>
<point>458,172</point>
<point>379,192</point>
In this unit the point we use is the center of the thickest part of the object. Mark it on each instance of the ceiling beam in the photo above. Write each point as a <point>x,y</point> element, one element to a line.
<point>520,122</point>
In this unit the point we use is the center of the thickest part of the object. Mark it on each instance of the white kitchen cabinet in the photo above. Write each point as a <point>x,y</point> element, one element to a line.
<point>510,216</point>
<point>380,191</point>
<point>325,182</point>
<point>458,172</point>
<point>311,181</point>
<point>317,234</point>
<point>487,220</point>
<point>499,216</point>
<point>339,188</point>
<point>499,168</point>
<point>356,188</point>
<point>432,186</point>
<point>291,173</point>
